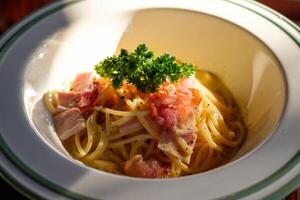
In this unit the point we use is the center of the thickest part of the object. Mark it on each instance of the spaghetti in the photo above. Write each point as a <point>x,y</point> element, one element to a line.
<point>185,127</point>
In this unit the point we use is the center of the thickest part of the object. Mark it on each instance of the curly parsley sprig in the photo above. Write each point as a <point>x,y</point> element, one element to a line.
<point>143,69</point>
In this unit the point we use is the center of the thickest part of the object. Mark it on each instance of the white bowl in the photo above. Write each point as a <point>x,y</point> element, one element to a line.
<point>254,51</point>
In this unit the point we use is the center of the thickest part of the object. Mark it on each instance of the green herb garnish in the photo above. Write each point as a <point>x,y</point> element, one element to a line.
<point>143,69</point>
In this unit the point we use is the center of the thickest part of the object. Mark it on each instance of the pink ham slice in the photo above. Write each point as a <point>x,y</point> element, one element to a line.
<point>169,144</point>
<point>170,117</point>
<point>77,99</point>
<point>151,168</point>
<point>69,123</point>
<point>83,93</point>
<point>190,138</point>
<point>88,97</point>
<point>132,126</point>
<point>82,82</point>
<point>68,99</point>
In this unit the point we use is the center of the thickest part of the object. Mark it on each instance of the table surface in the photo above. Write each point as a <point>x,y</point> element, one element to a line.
<point>11,11</point>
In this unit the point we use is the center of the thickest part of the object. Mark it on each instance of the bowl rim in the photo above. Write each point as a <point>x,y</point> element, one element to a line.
<point>17,30</point>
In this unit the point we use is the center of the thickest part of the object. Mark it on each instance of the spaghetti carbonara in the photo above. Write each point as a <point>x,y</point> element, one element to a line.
<point>185,127</point>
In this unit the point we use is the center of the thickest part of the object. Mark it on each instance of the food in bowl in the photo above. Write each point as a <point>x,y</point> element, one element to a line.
<point>147,116</point>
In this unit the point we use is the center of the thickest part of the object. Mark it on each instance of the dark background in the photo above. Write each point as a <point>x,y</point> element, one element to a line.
<point>12,11</point>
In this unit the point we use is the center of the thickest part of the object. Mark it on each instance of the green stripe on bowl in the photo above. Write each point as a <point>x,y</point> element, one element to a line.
<point>36,177</point>
<point>274,12</point>
<point>269,180</point>
<point>287,189</point>
<point>67,193</point>
<point>276,23</point>
<point>17,186</point>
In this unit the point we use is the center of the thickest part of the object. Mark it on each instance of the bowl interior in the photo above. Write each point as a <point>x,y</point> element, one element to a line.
<point>244,64</point>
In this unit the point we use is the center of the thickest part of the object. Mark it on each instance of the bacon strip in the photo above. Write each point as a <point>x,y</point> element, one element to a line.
<point>69,123</point>
<point>151,168</point>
